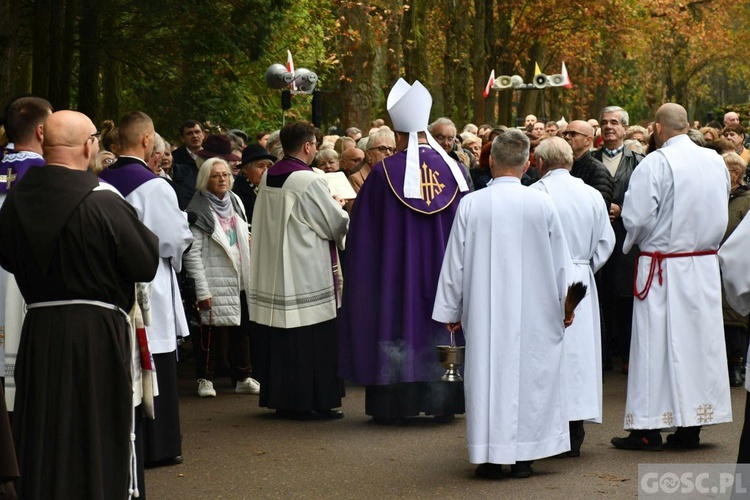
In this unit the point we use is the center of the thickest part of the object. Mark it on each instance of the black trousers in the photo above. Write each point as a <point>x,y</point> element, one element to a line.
<point>743,456</point>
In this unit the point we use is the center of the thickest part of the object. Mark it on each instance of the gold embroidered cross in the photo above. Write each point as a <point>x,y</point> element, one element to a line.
<point>8,178</point>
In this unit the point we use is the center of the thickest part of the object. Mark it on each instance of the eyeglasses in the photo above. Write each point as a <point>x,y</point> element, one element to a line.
<point>384,149</point>
<point>95,135</point>
<point>219,176</point>
<point>573,133</point>
<point>108,161</point>
<point>443,138</point>
<point>314,143</point>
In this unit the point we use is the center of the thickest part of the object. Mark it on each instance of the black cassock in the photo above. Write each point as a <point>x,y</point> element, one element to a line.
<point>64,241</point>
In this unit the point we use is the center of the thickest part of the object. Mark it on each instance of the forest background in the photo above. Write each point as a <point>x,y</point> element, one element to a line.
<point>206,60</point>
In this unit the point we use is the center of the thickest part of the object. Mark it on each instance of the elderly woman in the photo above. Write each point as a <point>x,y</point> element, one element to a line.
<point>328,160</point>
<point>735,324</point>
<point>380,145</point>
<point>166,160</point>
<point>219,262</point>
<point>474,145</point>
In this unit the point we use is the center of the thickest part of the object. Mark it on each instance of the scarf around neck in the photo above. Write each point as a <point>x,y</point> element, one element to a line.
<point>222,207</point>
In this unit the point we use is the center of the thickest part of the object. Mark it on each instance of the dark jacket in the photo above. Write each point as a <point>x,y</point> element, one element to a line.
<point>247,194</point>
<point>593,172</point>
<point>184,175</point>
<point>618,271</point>
<point>739,206</point>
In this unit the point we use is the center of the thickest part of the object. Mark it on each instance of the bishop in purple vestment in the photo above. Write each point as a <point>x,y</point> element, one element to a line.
<point>395,249</point>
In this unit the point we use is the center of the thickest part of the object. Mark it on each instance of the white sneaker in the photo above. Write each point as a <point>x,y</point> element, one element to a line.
<point>206,388</point>
<point>247,386</point>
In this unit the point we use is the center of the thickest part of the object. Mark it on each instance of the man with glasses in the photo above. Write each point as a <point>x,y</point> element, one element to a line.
<point>295,284</point>
<point>77,249</point>
<point>580,136</point>
<point>444,131</point>
<point>400,225</point>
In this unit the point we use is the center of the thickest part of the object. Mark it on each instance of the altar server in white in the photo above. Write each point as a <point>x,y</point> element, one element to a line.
<point>591,239</point>
<point>155,202</point>
<point>504,279</point>
<point>675,211</point>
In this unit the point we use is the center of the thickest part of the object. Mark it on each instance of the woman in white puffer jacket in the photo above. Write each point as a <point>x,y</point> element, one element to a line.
<point>219,262</point>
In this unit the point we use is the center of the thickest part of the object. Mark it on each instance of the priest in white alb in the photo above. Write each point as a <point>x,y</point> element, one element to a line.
<point>504,280</point>
<point>675,210</point>
<point>591,239</point>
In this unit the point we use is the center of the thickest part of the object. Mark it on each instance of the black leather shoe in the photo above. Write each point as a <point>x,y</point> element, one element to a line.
<point>521,470</point>
<point>569,454</point>
<point>640,441</point>
<point>678,441</point>
<point>489,471</point>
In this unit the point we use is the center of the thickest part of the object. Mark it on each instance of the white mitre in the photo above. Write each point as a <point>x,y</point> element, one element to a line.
<point>409,107</point>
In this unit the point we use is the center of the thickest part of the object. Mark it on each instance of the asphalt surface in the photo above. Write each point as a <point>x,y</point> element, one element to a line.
<point>235,450</point>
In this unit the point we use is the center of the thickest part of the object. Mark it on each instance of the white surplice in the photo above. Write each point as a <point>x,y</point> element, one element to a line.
<point>156,204</point>
<point>677,203</point>
<point>504,277</point>
<point>734,258</point>
<point>591,239</point>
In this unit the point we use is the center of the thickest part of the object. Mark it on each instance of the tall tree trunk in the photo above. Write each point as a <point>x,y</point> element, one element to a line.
<point>415,62</point>
<point>56,47</point>
<point>41,60</point>
<point>489,33</point>
<point>90,59</point>
<point>479,63</point>
<point>10,11</point>
<point>66,56</point>
<point>357,47</point>
<point>393,54</point>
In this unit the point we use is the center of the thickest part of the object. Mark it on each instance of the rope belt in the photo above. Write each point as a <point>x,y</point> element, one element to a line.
<point>656,260</point>
<point>133,480</point>
<point>73,302</point>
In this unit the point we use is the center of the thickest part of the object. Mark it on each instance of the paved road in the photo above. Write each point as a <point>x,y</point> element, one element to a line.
<point>235,450</point>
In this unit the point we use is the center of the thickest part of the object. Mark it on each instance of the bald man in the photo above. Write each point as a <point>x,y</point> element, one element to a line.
<point>580,136</point>
<point>156,204</point>
<point>675,210</point>
<point>77,249</point>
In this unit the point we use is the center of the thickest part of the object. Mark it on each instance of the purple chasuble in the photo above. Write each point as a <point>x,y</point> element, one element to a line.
<point>127,174</point>
<point>395,249</point>
<point>14,166</point>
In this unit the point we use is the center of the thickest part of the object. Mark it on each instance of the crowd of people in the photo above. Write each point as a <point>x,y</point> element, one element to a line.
<point>116,247</point>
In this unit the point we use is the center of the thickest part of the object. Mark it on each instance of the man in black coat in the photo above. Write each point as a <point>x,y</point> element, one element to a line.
<point>617,275</point>
<point>184,167</point>
<point>580,136</point>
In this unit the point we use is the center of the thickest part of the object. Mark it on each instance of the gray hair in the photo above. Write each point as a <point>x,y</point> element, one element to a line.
<point>697,137</point>
<point>634,130</point>
<point>510,149</point>
<point>353,130</point>
<point>556,153</point>
<point>441,121</point>
<point>734,162</point>
<point>380,134</point>
<point>201,181</point>
<point>273,140</point>
<point>327,154</point>
<point>158,144</point>
<point>624,117</point>
<point>633,145</point>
